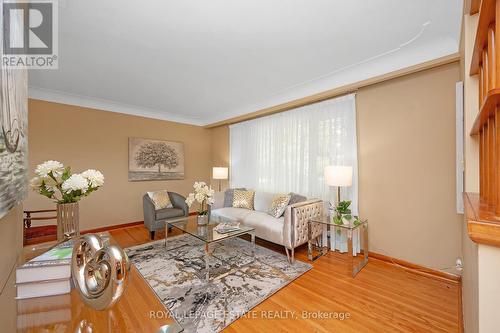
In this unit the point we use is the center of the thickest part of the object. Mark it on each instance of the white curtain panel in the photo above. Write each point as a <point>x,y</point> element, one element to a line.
<point>288,151</point>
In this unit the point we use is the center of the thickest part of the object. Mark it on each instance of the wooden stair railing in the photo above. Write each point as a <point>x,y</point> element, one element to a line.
<point>483,208</point>
<point>39,234</point>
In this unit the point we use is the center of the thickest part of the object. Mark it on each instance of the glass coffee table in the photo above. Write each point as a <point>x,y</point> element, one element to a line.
<point>209,236</point>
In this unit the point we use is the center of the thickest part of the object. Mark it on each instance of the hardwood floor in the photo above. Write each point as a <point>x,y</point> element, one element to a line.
<point>382,298</point>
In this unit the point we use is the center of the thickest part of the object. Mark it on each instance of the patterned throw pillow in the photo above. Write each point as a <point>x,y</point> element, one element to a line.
<point>160,199</point>
<point>243,199</point>
<point>279,204</point>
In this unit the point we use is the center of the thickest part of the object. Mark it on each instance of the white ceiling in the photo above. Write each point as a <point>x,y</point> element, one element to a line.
<point>199,61</point>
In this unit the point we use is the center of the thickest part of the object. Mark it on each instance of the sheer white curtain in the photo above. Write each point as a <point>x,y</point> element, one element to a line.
<point>288,151</point>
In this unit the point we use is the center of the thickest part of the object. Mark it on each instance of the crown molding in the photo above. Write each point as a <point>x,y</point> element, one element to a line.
<point>107,105</point>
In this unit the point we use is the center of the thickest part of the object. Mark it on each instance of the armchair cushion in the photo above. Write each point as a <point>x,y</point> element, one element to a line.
<point>155,219</point>
<point>160,199</point>
<point>168,213</point>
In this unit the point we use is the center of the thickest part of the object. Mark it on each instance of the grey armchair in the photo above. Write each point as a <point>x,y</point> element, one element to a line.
<point>155,219</point>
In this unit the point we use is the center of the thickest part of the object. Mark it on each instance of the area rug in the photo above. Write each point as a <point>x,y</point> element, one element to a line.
<point>176,277</point>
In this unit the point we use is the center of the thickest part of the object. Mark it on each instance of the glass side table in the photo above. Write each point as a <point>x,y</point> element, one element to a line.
<point>356,261</point>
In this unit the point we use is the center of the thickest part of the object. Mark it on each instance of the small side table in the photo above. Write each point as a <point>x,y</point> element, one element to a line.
<point>355,262</point>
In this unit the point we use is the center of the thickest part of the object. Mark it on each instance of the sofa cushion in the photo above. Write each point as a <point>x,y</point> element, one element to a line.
<point>296,198</point>
<point>262,201</point>
<point>168,213</point>
<point>231,213</point>
<point>243,199</point>
<point>218,200</point>
<point>228,196</point>
<point>278,205</point>
<point>266,226</point>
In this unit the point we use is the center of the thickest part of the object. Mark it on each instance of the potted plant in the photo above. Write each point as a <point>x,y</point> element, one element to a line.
<point>56,182</point>
<point>343,216</point>
<point>204,195</point>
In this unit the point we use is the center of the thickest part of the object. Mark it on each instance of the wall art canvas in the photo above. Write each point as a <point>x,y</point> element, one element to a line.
<point>155,159</point>
<point>13,137</point>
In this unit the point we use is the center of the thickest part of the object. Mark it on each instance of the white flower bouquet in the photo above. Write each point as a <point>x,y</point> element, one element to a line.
<point>204,195</point>
<point>56,182</point>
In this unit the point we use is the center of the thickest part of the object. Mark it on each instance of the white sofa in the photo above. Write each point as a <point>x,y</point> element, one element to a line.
<point>290,230</point>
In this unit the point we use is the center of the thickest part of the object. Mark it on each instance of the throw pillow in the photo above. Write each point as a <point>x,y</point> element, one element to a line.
<point>229,195</point>
<point>243,199</point>
<point>160,199</point>
<point>279,204</point>
<point>296,198</point>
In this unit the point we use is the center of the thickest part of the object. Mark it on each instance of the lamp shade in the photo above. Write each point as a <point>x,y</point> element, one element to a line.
<point>219,173</point>
<point>336,175</point>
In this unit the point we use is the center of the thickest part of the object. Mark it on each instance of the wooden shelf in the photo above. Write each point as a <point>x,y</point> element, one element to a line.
<point>483,225</point>
<point>487,110</point>
<point>486,18</point>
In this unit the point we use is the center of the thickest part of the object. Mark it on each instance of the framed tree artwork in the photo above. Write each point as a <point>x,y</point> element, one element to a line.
<point>155,159</point>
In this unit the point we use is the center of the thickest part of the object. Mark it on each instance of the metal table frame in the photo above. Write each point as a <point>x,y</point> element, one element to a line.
<point>208,250</point>
<point>333,228</point>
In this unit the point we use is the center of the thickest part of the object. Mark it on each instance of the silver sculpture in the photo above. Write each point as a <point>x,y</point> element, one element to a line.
<point>100,271</point>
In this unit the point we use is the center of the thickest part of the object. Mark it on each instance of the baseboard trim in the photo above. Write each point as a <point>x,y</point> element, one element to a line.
<point>118,226</point>
<point>418,269</point>
<point>112,227</point>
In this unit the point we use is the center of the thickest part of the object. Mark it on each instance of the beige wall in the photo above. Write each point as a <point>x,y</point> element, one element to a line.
<point>11,228</point>
<point>220,151</point>
<point>406,151</point>
<point>87,138</point>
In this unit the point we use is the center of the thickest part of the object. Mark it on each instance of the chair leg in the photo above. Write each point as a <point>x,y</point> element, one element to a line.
<point>152,235</point>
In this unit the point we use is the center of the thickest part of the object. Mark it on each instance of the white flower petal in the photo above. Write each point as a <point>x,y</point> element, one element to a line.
<point>47,167</point>
<point>74,183</point>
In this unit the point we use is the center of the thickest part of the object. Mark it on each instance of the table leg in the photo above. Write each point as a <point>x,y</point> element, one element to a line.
<point>350,257</point>
<point>207,265</point>
<point>166,233</point>
<point>364,261</point>
<point>309,242</point>
<point>365,243</point>
<point>252,235</point>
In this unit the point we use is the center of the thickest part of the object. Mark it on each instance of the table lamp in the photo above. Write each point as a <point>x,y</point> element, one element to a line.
<point>219,173</point>
<point>339,176</point>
